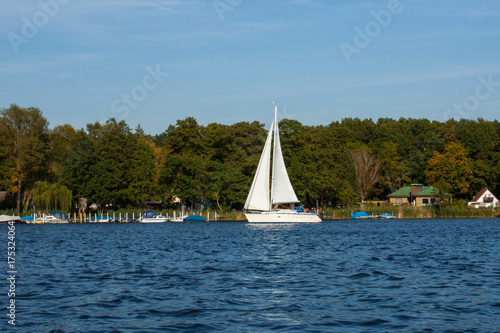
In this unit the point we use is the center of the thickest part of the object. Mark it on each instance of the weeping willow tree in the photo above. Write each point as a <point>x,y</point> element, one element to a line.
<point>52,196</point>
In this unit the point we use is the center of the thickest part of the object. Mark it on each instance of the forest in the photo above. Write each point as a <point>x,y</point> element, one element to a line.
<point>337,165</point>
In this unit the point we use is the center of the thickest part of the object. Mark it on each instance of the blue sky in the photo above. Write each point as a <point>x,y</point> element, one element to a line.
<point>226,61</point>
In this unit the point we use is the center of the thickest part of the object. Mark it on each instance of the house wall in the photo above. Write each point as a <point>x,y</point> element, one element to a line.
<point>493,202</point>
<point>481,202</point>
<point>403,201</point>
<point>425,201</point>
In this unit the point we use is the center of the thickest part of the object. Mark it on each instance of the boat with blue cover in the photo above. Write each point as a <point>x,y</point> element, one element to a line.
<point>151,217</point>
<point>362,216</point>
<point>194,218</point>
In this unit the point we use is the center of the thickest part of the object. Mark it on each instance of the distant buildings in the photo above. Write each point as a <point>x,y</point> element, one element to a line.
<point>416,195</point>
<point>484,199</point>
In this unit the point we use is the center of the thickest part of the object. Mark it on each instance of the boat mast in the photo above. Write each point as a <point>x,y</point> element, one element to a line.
<point>273,173</point>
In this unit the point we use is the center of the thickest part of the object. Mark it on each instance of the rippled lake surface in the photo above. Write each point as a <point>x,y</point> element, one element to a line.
<point>337,276</point>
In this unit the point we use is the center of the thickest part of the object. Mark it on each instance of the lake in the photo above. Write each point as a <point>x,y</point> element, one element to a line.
<point>338,276</point>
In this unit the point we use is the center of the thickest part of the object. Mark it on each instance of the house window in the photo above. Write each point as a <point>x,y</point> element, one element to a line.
<point>399,201</point>
<point>425,202</point>
<point>488,198</point>
<point>433,201</point>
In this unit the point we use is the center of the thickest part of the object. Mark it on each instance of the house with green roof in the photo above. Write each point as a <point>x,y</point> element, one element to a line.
<point>416,195</point>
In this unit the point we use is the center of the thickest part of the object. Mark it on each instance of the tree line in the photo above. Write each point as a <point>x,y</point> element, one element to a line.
<point>112,165</point>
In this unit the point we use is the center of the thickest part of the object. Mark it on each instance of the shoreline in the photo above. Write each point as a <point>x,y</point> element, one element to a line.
<point>403,212</point>
<point>329,218</point>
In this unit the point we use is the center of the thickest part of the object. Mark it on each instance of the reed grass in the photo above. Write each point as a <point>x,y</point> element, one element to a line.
<point>410,212</point>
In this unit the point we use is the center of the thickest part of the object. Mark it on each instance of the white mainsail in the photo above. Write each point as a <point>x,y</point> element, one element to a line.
<point>281,188</point>
<point>258,198</point>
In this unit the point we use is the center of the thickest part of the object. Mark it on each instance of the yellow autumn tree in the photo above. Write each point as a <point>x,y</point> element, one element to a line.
<point>452,166</point>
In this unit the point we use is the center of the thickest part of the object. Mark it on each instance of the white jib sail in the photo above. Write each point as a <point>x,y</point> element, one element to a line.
<point>281,188</point>
<point>258,197</point>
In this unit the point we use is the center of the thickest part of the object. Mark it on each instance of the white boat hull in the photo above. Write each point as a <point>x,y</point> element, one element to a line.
<point>282,216</point>
<point>154,220</point>
<point>52,219</point>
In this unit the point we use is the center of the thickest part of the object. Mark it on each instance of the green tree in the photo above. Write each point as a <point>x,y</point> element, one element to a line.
<point>25,141</point>
<point>48,196</point>
<point>62,141</point>
<point>481,139</point>
<point>393,170</point>
<point>184,169</point>
<point>453,167</point>
<point>234,154</point>
<point>110,165</point>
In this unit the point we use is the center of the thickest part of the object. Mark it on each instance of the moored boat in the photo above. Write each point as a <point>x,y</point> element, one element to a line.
<point>362,216</point>
<point>151,217</point>
<point>56,217</point>
<point>194,218</point>
<point>9,218</point>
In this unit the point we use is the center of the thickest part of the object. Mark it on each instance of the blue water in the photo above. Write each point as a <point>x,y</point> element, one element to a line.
<point>337,276</point>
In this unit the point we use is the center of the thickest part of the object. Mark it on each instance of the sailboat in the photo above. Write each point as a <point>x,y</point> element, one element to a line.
<point>262,204</point>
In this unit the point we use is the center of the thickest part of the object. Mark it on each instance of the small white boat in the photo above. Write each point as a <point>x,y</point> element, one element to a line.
<point>260,207</point>
<point>8,218</point>
<point>54,218</point>
<point>179,218</point>
<point>51,219</point>
<point>151,217</point>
